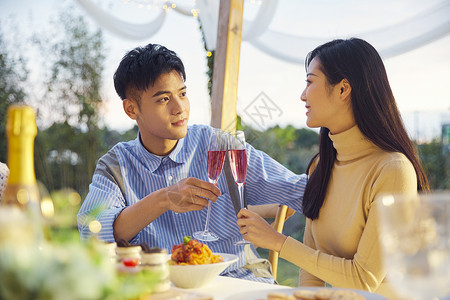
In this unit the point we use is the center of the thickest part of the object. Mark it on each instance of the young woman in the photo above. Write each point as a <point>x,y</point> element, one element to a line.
<point>364,152</point>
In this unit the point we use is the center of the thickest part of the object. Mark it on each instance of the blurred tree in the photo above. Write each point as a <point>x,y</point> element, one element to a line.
<point>61,165</point>
<point>436,164</point>
<point>306,138</point>
<point>292,147</point>
<point>13,75</point>
<point>74,59</point>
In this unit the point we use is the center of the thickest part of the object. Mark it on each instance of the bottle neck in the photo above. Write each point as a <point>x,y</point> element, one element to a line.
<point>21,160</point>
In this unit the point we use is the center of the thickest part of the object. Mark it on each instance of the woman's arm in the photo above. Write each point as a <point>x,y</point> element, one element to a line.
<point>364,270</point>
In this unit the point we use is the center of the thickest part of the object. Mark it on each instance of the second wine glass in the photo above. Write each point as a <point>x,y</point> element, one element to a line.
<point>217,149</point>
<point>415,240</point>
<point>237,156</point>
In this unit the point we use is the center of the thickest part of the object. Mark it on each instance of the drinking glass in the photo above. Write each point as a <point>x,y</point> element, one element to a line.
<point>415,239</point>
<point>217,149</point>
<point>238,163</point>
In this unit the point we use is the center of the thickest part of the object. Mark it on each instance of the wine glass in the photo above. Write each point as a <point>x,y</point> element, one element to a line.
<point>238,163</point>
<point>415,239</point>
<point>217,149</point>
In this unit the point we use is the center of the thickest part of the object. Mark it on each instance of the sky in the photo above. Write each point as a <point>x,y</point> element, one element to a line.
<point>419,78</point>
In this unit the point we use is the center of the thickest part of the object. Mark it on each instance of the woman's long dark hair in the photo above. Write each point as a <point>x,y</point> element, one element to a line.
<point>374,109</point>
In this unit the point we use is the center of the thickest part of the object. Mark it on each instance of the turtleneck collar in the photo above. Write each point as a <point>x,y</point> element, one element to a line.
<point>351,144</point>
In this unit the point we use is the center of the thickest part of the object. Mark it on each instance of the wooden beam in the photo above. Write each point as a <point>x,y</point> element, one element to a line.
<point>226,65</point>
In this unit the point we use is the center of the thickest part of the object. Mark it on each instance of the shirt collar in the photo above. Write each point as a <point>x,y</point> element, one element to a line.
<point>178,154</point>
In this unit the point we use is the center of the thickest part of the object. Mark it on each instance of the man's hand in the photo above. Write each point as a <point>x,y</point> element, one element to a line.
<point>190,194</point>
<point>187,195</point>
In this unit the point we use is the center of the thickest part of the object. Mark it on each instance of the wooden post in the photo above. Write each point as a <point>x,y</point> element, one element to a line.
<point>226,65</point>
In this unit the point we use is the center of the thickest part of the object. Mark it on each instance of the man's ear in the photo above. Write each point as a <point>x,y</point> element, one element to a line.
<point>345,89</point>
<point>130,107</point>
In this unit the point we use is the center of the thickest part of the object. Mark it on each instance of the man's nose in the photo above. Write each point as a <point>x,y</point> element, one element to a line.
<point>177,105</point>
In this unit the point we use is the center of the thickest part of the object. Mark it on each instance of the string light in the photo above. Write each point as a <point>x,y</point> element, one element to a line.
<point>194,12</point>
<point>168,5</point>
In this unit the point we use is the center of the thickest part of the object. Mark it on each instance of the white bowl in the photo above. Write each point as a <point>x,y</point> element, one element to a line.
<point>195,276</point>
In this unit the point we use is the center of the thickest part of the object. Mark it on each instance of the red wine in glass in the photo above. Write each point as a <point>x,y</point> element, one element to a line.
<point>238,164</point>
<point>217,149</point>
<point>215,164</point>
<point>238,160</point>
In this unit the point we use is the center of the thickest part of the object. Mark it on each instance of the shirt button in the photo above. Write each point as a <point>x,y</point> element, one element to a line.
<point>170,177</point>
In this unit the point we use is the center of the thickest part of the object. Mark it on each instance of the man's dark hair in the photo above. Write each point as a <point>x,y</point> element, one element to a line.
<point>142,66</point>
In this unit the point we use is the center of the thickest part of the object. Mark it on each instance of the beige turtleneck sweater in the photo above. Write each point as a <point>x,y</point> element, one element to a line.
<point>341,247</point>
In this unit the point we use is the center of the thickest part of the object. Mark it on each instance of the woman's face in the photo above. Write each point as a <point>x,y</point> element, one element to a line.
<point>323,102</point>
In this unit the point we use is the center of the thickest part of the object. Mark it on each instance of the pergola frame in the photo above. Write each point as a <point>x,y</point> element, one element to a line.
<point>226,65</point>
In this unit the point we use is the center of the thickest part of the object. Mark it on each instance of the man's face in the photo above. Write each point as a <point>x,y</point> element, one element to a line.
<point>163,113</point>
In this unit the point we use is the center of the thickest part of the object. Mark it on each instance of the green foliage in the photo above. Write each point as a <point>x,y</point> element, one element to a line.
<point>74,58</point>
<point>68,270</point>
<point>306,138</point>
<point>294,148</point>
<point>50,269</point>
<point>61,154</point>
<point>436,163</point>
<point>63,228</point>
<point>209,59</point>
<point>67,151</point>
<point>13,75</point>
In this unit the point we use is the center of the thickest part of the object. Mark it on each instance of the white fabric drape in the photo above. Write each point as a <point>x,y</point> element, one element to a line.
<point>426,26</point>
<point>417,31</point>
<point>121,28</point>
<point>208,11</point>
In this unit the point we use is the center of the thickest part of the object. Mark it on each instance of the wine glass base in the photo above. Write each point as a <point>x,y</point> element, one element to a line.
<point>205,236</point>
<point>241,242</point>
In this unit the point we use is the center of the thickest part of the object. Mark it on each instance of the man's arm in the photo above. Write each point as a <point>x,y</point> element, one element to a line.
<point>269,182</point>
<point>187,195</point>
<point>122,221</point>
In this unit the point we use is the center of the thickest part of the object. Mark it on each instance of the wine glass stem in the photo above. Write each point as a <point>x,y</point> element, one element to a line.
<point>241,195</point>
<point>208,212</point>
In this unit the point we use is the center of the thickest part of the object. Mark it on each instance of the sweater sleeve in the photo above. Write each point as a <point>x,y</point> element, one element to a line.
<point>307,279</point>
<point>365,269</point>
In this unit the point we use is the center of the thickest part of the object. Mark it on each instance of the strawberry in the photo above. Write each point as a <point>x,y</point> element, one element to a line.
<point>130,261</point>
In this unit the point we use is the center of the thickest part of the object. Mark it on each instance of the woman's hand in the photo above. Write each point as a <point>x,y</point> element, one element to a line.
<point>257,231</point>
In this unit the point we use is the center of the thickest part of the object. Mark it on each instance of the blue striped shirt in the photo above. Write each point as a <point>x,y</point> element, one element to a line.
<point>128,173</point>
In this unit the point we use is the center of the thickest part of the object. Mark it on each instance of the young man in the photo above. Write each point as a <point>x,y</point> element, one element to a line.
<point>154,189</point>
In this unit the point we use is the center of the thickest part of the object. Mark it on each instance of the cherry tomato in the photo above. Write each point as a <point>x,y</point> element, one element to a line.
<point>130,262</point>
